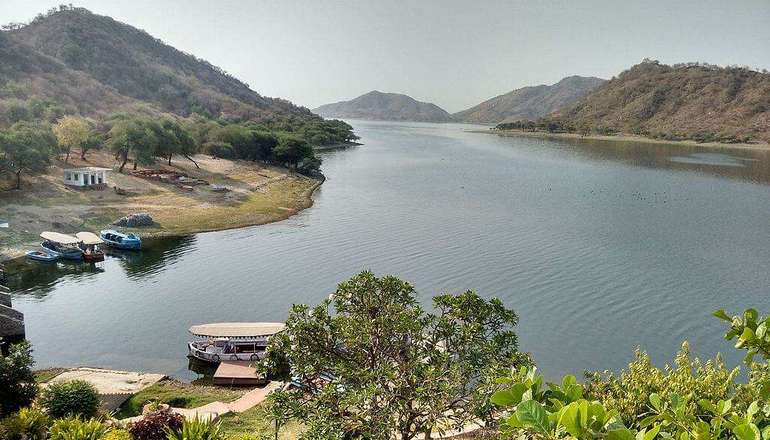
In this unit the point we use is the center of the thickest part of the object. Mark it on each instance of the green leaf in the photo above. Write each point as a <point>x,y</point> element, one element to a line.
<point>532,414</point>
<point>647,421</point>
<point>569,418</point>
<point>721,314</point>
<point>649,435</point>
<point>656,401</point>
<point>510,397</point>
<point>747,335</point>
<point>620,434</point>
<point>750,316</point>
<point>746,431</point>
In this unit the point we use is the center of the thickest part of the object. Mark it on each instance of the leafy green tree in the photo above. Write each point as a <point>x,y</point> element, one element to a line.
<point>292,150</point>
<point>371,363</point>
<point>74,398</point>
<point>74,132</point>
<point>26,147</point>
<point>17,382</point>
<point>133,136</point>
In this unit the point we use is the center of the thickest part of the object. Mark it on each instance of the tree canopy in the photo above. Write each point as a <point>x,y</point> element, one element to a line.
<point>369,362</point>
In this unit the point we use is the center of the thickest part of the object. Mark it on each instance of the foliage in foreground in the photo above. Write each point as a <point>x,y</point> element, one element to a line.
<point>74,428</point>
<point>691,400</point>
<point>196,429</point>
<point>17,382</point>
<point>369,362</point>
<point>74,398</point>
<point>155,426</point>
<point>27,424</point>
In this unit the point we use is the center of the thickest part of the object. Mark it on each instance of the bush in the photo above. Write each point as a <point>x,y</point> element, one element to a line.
<point>27,424</point>
<point>155,425</point>
<point>222,150</point>
<point>74,428</point>
<point>196,429</point>
<point>74,398</point>
<point>117,434</point>
<point>17,382</point>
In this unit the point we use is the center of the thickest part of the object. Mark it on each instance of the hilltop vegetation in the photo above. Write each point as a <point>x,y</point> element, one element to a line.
<point>691,101</point>
<point>381,106</point>
<point>530,102</point>
<point>141,98</point>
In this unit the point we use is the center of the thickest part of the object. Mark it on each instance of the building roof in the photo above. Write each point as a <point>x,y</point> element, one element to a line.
<point>86,169</point>
<point>237,329</point>
<point>59,238</point>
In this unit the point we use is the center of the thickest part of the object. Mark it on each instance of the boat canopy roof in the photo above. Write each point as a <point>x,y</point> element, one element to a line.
<point>59,238</point>
<point>89,238</point>
<point>237,329</point>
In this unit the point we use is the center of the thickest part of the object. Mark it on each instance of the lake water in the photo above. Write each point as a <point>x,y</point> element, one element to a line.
<point>599,247</point>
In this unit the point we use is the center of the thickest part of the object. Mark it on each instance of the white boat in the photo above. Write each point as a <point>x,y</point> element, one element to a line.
<point>232,341</point>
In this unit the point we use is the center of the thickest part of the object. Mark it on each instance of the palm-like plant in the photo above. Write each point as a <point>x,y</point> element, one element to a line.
<point>196,429</point>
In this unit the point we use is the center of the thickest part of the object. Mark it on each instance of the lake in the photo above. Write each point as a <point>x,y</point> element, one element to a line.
<point>600,247</point>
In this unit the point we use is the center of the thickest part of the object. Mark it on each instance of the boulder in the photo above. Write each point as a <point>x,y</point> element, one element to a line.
<point>134,220</point>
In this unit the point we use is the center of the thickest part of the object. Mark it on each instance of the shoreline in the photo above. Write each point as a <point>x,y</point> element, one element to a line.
<point>624,138</point>
<point>259,196</point>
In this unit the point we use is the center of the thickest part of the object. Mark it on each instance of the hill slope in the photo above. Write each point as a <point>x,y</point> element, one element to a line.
<point>689,101</point>
<point>530,102</point>
<point>130,64</point>
<point>377,105</point>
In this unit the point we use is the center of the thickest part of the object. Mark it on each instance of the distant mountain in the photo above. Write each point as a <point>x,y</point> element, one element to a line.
<point>686,101</point>
<point>385,107</point>
<point>96,64</point>
<point>530,102</point>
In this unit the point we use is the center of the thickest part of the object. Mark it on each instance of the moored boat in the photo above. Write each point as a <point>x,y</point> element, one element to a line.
<point>120,240</point>
<point>45,257</point>
<point>232,341</point>
<point>62,245</point>
<point>89,244</point>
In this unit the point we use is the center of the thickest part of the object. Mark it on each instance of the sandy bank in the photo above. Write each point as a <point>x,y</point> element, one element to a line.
<point>623,138</point>
<point>256,194</point>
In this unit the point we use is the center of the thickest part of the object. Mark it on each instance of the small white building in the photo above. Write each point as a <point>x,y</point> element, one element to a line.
<point>89,177</point>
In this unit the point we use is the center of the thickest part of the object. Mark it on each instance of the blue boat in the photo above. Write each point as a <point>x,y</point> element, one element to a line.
<point>120,240</point>
<point>45,257</point>
<point>62,245</point>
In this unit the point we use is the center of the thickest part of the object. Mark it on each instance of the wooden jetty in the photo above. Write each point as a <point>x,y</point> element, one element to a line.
<point>237,373</point>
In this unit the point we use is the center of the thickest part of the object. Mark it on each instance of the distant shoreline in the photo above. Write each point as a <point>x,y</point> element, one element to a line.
<point>624,138</point>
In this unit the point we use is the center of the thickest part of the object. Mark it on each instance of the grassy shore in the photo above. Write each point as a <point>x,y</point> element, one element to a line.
<point>623,138</point>
<point>256,194</point>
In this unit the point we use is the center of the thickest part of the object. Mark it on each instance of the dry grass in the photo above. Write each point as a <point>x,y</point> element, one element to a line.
<point>258,194</point>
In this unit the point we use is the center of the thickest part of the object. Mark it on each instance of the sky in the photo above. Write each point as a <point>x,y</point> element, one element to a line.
<point>449,52</point>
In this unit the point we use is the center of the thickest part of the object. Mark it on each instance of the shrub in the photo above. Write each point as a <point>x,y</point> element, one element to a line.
<point>155,425</point>
<point>628,392</point>
<point>74,398</point>
<point>27,424</point>
<point>196,429</point>
<point>117,434</point>
<point>17,382</point>
<point>74,428</point>
<point>222,150</point>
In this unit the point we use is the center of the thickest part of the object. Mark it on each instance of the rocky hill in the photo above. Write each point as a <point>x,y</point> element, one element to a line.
<point>687,101</point>
<point>97,64</point>
<point>530,102</point>
<point>381,106</point>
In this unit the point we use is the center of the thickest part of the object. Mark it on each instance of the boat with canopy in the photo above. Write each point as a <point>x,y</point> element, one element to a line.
<point>89,244</point>
<point>62,245</point>
<point>232,341</point>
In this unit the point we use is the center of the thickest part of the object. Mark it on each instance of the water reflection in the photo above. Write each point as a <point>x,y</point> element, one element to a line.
<point>36,279</point>
<point>747,164</point>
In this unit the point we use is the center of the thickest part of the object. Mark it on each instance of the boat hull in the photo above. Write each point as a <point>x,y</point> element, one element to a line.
<point>127,242</point>
<point>42,256</point>
<point>65,254</point>
<point>215,357</point>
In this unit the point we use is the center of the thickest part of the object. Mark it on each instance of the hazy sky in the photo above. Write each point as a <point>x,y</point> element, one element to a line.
<point>453,53</point>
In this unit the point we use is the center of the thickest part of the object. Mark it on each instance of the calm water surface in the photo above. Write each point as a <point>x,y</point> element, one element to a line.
<point>599,247</point>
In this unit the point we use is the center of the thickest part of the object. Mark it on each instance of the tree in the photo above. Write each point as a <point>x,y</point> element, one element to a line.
<point>27,147</point>
<point>17,383</point>
<point>73,132</point>
<point>292,150</point>
<point>378,365</point>
<point>133,136</point>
